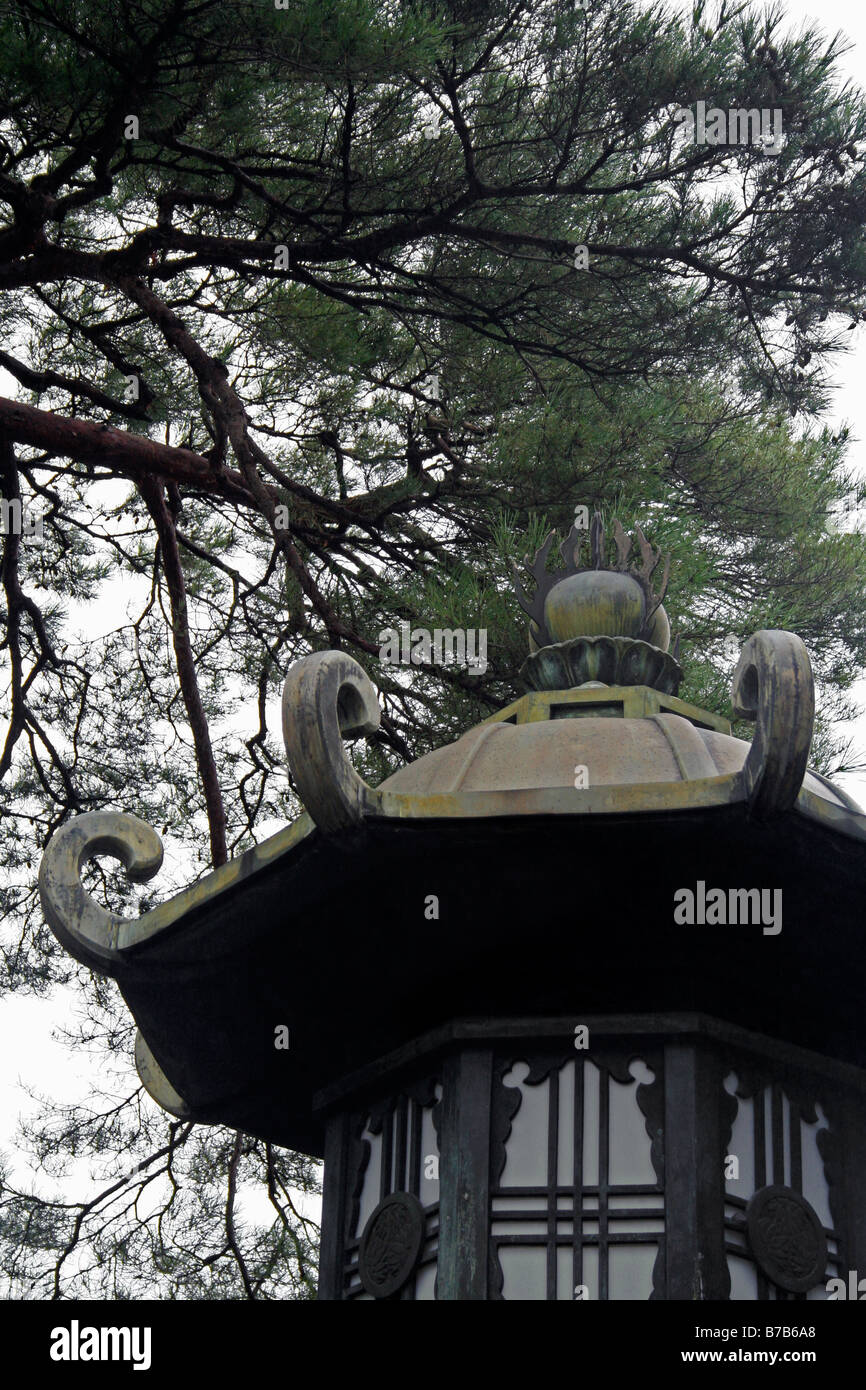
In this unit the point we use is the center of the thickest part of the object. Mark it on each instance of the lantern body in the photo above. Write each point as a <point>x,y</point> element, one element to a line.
<point>624,1169</point>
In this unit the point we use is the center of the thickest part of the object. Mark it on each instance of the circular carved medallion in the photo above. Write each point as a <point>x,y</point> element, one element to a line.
<point>787,1238</point>
<point>391,1244</point>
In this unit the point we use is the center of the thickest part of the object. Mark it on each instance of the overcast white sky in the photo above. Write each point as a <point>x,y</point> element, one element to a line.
<point>28,1052</point>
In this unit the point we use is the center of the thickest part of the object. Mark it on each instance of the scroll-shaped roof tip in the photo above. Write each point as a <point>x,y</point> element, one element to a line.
<point>328,697</point>
<point>88,931</point>
<point>773,686</point>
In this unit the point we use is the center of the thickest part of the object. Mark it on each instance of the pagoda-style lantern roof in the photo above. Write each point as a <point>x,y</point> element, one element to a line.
<point>532,867</point>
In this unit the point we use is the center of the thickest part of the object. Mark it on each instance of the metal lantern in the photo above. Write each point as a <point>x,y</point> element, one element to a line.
<point>573,1006</point>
